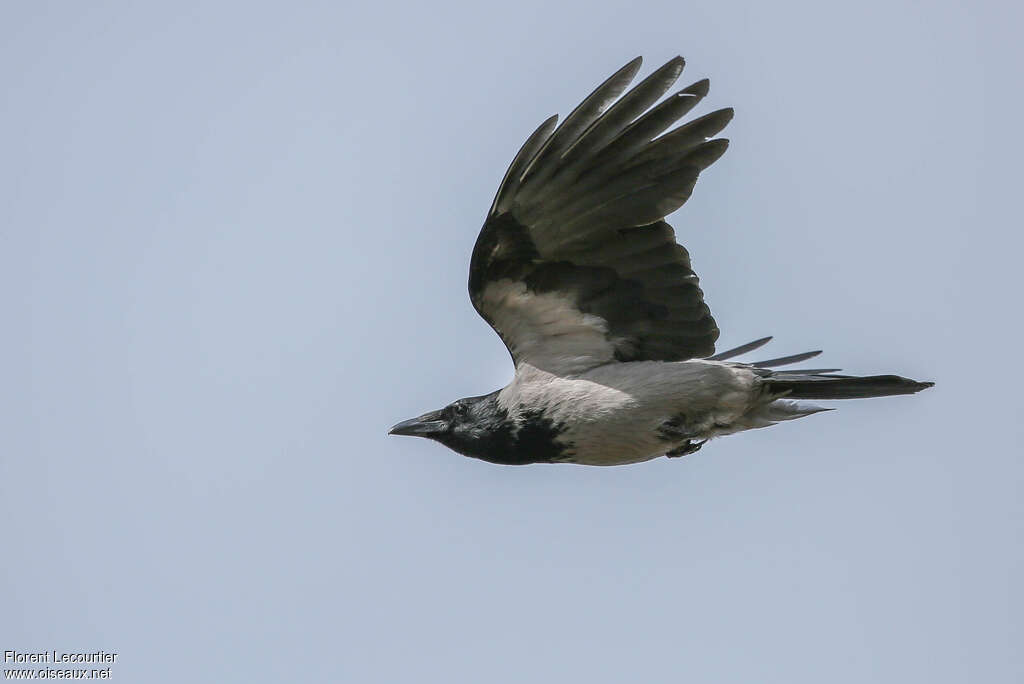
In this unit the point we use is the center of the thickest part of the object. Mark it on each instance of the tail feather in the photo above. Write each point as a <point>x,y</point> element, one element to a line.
<point>842,387</point>
<point>816,383</point>
<point>806,371</point>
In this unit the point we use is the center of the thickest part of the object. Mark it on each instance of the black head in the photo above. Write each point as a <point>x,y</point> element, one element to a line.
<point>464,425</point>
<point>479,427</point>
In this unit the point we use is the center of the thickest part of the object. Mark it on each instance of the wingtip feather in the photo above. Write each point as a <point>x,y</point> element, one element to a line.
<point>742,349</point>
<point>701,88</point>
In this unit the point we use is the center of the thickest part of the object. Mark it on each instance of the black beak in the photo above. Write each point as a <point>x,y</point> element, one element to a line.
<point>428,425</point>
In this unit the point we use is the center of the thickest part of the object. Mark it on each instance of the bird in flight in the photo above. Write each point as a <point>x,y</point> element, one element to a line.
<point>577,271</point>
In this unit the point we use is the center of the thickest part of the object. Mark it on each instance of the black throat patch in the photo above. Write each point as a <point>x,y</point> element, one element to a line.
<point>489,434</point>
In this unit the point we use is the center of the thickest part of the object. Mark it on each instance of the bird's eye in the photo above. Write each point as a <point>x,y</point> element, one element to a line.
<point>460,410</point>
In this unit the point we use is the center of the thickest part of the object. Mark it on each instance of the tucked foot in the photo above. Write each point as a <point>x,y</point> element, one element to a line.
<point>688,447</point>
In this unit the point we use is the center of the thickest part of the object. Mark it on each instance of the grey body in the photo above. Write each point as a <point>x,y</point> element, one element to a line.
<point>623,413</point>
<point>600,308</point>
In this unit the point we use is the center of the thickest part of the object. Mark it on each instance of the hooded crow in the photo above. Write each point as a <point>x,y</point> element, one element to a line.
<point>580,276</point>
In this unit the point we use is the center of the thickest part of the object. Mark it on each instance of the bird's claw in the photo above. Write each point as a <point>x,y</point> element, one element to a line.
<point>686,448</point>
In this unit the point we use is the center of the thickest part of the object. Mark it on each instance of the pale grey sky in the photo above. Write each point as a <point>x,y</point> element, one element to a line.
<point>233,251</point>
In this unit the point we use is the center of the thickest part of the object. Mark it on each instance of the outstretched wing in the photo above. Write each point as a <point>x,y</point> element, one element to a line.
<point>574,266</point>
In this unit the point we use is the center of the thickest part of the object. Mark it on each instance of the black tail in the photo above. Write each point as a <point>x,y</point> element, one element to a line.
<point>818,383</point>
<point>813,386</point>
